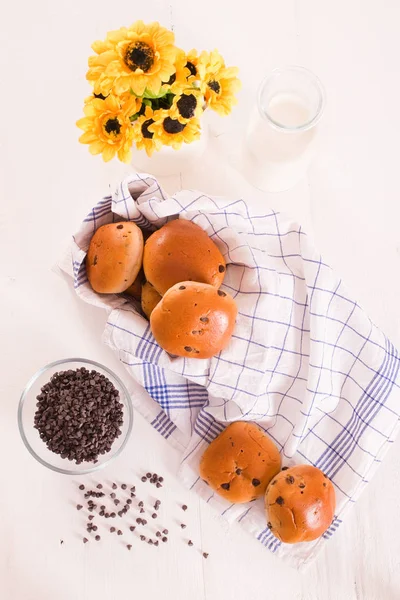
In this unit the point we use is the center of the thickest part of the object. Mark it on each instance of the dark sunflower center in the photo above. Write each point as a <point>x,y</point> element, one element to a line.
<point>214,86</point>
<point>139,56</point>
<point>172,79</point>
<point>187,105</point>
<point>113,126</point>
<point>173,125</point>
<point>145,129</point>
<point>100,96</point>
<point>189,65</point>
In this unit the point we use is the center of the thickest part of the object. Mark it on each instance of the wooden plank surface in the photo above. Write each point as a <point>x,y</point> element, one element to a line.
<point>349,202</point>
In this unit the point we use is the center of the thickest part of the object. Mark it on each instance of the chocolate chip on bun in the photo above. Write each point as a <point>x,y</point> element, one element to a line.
<point>194,320</point>
<point>182,251</point>
<point>240,462</point>
<point>300,504</point>
<point>114,257</point>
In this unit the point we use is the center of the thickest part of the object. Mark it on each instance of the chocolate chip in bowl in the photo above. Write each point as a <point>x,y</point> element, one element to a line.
<point>75,416</point>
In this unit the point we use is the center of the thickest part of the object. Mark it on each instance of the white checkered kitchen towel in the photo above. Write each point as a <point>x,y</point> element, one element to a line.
<point>305,362</point>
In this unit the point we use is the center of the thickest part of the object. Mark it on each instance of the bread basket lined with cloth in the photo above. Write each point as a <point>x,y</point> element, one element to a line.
<point>305,361</point>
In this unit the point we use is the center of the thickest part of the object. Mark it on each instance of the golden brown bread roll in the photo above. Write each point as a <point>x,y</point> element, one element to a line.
<point>150,299</point>
<point>114,257</point>
<point>182,251</point>
<point>240,462</point>
<point>194,320</point>
<point>135,289</point>
<point>300,504</point>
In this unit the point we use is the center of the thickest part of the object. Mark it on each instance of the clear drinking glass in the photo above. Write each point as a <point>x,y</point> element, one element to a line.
<point>282,129</point>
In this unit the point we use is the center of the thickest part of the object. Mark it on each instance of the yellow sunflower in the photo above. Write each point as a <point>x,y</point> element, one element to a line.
<point>192,59</point>
<point>219,82</point>
<point>186,105</point>
<point>172,132</point>
<point>179,79</point>
<point>143,138</point>
<point>134,58</point>
<point>107,128</point>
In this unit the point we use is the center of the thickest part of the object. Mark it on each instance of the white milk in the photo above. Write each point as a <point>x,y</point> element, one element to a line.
<point>278,157</point>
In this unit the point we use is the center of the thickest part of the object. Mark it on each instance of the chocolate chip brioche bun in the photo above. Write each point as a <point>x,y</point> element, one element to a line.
<point>194,320</point>
<point>182,251</point>
<point>240,462</point>
<point>114,257</point>
<point>300,504</point>
<point>150,299</point>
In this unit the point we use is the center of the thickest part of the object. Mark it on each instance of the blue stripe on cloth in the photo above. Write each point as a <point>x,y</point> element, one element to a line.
<point>163,425</point>
<point>207,427</point>
<point>369,404</point>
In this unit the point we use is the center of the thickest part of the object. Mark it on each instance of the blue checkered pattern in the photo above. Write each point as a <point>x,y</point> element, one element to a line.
<point>305,361</point>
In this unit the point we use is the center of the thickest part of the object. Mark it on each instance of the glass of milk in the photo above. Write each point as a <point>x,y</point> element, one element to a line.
<point>281,134</point>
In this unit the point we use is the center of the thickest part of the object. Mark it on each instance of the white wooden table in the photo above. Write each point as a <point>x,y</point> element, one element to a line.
<point>349,202</point>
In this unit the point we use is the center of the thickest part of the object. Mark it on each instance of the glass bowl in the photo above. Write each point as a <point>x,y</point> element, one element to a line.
<point>30,436</point>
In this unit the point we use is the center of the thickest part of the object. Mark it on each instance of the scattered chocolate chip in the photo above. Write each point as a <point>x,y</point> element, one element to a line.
<point>97,538</point>
<point>150,542</point>
<point>85,540</point>
<point>255,482</point>
<point>107,515</point>
<point>188,348</point>
<point>190,543</point>
<point>144,479</point>
<point>132,528</point>
<point>82,487</point>
<point>123,486</point>
<point>164,539</point>
<point>158,484</point>
<point>113,495</point>
<point>158,534</point>
<point>161,479</point>
<point>184,507</point>
<point>204,319</point>
<point>273,482</point>
<point>154,516</point>
<point>221,268</point>
<point>112,529</point>
<point>182,287</point>
<point>325,475</point>
<point>143,538</point>
<point>183,526</point>
<point>101,513</point>
<point>79,506</point>
<point>238,471</point>
<point>113,515</point>
<point>102,507</point>
<point>205,554</point>
<point>144,522</point>
<point>91,517</point>
<point>142,510</point>
<point>114,486</point>
<point>165,531</point>
<point>221,293</point>
<point>129,546</point>
<point>302,485</point>
<point>129,501</point>
<point>99,486</point>
<point>324,484</point>
<point>120,513</point>
<point>119,532</point>
<point>133,489</point>
<point>301,492</point>
<point>156,543</point>
<point>285,468</point>
<point>289,479</point>
<point>225,486</point>
<point>94,528</point>
<point>269,525</point>
<point>133,495</point>
<point>280,501</point>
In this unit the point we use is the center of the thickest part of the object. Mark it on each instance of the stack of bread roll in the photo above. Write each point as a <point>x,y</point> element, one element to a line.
<point>176,274</point>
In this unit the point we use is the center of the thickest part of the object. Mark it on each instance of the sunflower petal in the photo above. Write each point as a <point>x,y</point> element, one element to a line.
<point>96,147</point>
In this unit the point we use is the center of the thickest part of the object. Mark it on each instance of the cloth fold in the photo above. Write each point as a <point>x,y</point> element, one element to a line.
<point>305,362</point>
